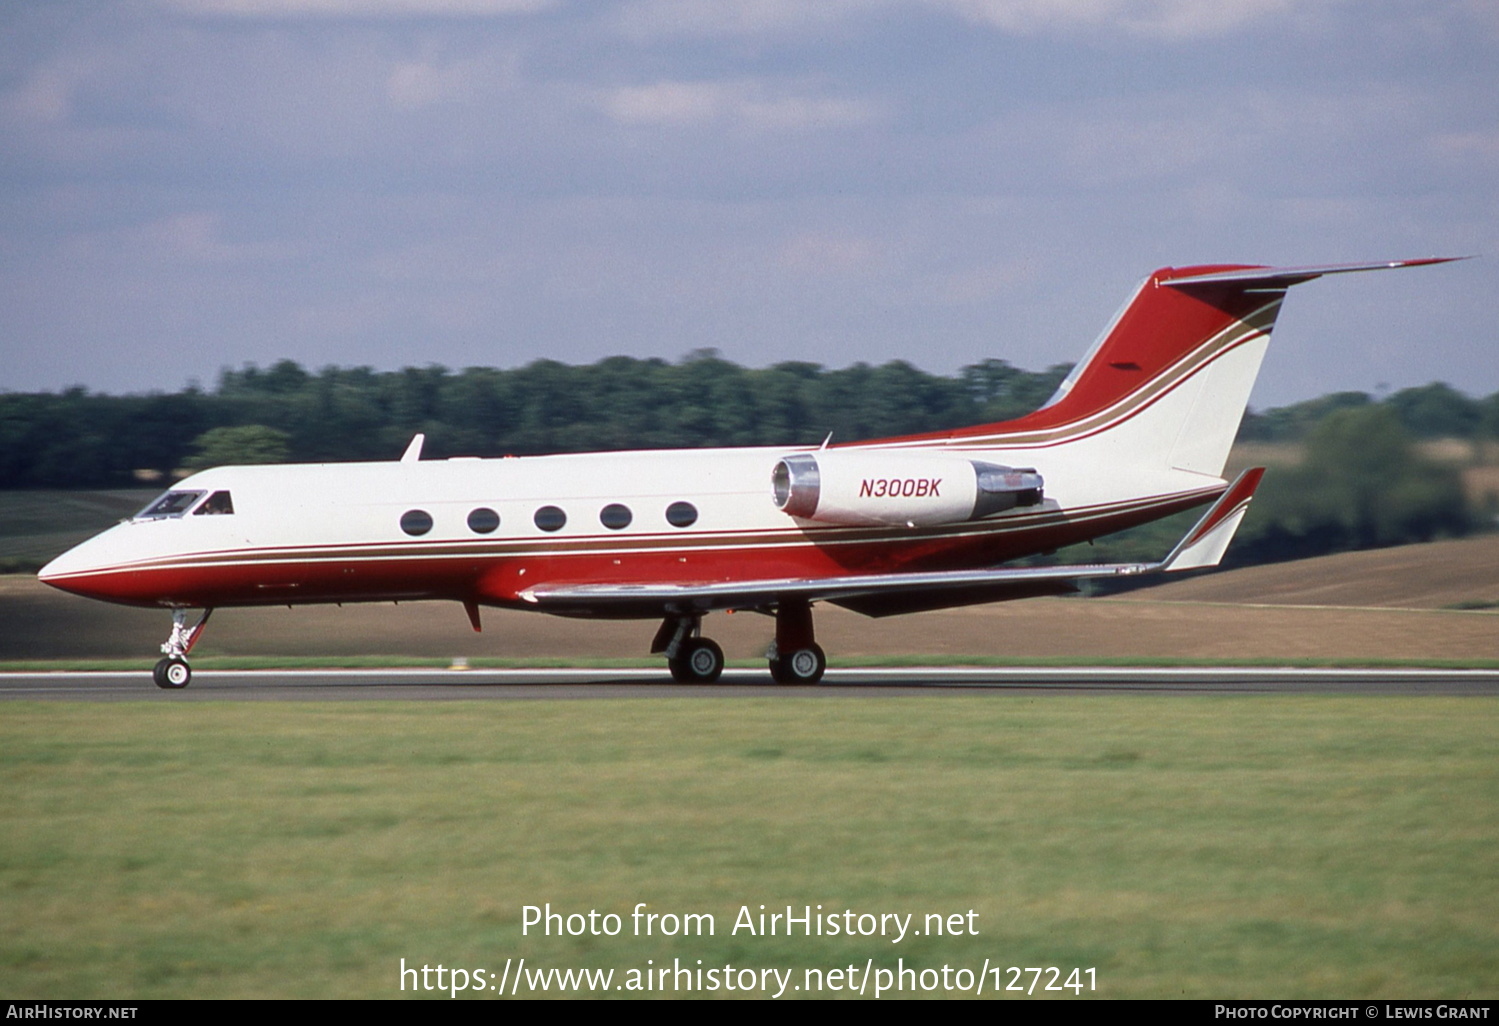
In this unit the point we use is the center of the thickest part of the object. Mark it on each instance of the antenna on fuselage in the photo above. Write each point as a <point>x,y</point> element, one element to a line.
<point>414,450</point>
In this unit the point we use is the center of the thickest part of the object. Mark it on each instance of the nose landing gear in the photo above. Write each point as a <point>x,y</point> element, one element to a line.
<point>172,672</point>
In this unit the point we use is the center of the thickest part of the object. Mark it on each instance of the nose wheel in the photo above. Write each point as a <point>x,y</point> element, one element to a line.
<point>172,672</point>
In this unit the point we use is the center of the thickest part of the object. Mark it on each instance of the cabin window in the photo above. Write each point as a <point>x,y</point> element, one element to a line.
<point>483,520</point>
<point>416,521</point>
<point>616,516</point>
<point>218,504</point>
<point>172,504</point>
<point>681,514</point>
<point>550,518</point>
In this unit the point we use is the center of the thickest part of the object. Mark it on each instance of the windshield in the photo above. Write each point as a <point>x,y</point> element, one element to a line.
<point>172,504</point>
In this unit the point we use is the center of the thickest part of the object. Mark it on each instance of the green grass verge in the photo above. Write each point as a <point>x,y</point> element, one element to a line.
<point>1223,846</point>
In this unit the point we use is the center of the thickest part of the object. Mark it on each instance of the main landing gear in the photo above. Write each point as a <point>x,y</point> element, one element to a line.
<point>795,657</point>
<point>173,672</point>
<point>691,659</point>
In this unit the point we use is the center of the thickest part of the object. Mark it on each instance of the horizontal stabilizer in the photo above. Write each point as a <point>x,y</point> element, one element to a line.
<point>1284,277</point>
<point>1202,546</point>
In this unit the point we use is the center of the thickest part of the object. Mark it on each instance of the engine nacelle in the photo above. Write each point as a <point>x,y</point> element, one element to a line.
<point>895,486</point>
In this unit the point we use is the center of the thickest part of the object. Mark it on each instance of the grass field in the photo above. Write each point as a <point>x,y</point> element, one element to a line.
<point>1223,846</point>
<point>1208,847</point>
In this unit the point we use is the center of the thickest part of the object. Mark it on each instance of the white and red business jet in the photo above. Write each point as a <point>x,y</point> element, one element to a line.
<point>1140,430</point>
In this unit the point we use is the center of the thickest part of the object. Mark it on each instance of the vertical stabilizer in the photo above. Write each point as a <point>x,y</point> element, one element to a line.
<point>1167,382</point>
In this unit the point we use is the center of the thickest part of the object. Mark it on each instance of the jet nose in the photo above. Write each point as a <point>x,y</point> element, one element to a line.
<point>72,571</point>
<point>95,569</point>
<point>60,567</point>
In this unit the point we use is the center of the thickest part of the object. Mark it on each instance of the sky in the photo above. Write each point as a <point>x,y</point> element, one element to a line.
<point>190,185</point>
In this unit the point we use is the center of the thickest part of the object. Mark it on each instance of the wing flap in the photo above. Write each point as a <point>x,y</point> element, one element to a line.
<point>902,602</point>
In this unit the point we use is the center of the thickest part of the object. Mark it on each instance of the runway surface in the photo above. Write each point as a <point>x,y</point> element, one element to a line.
<point>343,685</point>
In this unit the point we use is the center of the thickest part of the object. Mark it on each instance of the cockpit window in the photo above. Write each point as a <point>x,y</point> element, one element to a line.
<point>172,504</point>
<point>218,504</point>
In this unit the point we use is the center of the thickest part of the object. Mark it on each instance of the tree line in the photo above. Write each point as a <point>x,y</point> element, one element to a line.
<point>1361,481</point>
<point>78,439</point>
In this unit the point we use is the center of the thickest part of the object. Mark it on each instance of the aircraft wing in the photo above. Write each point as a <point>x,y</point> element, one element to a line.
<point>884,594</point>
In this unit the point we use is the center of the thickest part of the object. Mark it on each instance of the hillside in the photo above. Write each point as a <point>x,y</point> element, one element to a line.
<point>1463,573</point>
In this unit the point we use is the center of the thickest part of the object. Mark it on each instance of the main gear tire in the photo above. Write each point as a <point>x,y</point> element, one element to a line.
<point>804,666</point>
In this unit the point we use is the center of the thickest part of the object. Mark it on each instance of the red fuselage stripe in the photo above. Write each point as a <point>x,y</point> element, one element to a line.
<point>495,574</point>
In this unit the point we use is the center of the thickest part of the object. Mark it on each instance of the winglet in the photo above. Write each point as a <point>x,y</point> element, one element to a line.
<point>1204,545</point>
<point>414,450</point>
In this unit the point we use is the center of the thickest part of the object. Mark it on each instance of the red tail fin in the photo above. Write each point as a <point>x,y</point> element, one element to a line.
<point>1195,334</point>
<point>1160,337</point>
<point>1180,319</point>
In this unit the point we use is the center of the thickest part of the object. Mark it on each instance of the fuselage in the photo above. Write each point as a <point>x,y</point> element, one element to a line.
<point>488,531</point>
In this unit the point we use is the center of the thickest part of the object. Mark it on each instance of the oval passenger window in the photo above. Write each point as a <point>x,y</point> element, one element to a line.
<point>416,521</point>
<point>681,514</point>
<point>483,520</point>
<point>616,516</point>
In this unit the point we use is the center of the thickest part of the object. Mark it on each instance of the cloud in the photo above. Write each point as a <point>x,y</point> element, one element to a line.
<point>981,283</point>
<point>834,179</point>
<point>357,8</point>
<point>415,84</point>
<point>175,243</point>
<point>823,253</point>
<point>718,18</point>
<point>746,103</point>
<point>1467,148</point>
<point>1241,141</point>
<point>44,97</point>
<point>1170,20</point>
<point>1157,19</point>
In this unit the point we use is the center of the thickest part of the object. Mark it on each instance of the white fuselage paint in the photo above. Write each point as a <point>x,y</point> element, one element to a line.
<point>299,510</point>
